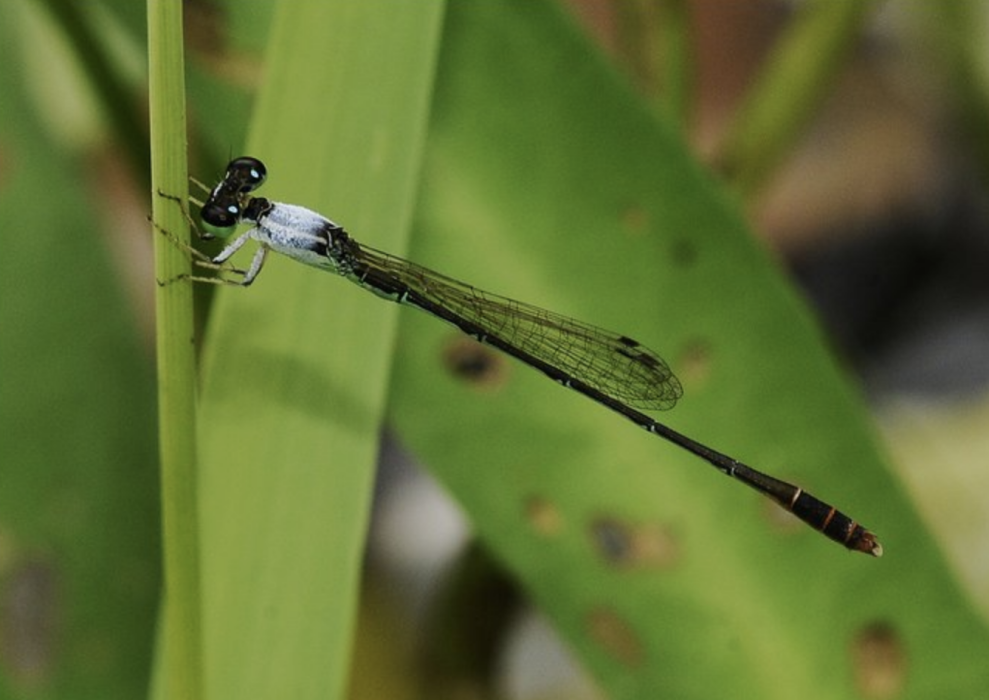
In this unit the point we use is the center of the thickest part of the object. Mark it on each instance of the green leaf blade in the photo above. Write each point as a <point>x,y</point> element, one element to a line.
<point>564,193</point>
<point>295,370</point>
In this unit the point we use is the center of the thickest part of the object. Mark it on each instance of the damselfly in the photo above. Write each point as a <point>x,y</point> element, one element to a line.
<point>609,368</point>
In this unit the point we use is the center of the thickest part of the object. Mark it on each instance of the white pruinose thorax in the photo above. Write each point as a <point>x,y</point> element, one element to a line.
<point>299,233</point>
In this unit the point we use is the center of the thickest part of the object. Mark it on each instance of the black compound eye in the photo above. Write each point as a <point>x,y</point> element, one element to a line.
<point>246,173</point>
<point>219,215</point>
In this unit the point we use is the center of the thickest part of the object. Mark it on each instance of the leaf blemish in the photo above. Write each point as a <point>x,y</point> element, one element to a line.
<point>615,636</point>
<point>543,515</point>
<point>633,546</point>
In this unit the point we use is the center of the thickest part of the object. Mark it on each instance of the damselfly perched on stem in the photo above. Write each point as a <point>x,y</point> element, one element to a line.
<point>610,368</point>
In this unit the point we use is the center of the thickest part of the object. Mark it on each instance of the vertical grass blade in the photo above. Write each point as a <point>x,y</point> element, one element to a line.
<point>296,368</point>
<point>182,636</point>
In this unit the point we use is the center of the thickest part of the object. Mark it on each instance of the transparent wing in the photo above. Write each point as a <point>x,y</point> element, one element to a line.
<point>612,363</point>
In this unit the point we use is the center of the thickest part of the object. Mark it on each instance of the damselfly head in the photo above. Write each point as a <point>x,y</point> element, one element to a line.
<point>227,202</point>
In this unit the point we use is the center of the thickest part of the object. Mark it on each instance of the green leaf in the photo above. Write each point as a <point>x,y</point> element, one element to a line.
<point>295,375</point>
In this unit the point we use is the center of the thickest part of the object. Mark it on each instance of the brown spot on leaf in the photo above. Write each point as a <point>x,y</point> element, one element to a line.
<point>880,662</point>
<point>632,545</point>
<point>544,516</point>
<point>615,636</point>
<point>475,363</point>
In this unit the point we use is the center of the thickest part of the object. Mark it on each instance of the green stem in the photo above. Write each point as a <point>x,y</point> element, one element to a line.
<point>181,675</point>
<point>794,83</point>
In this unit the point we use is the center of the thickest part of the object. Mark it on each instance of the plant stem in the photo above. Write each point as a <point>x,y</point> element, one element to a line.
<point>181,673</point>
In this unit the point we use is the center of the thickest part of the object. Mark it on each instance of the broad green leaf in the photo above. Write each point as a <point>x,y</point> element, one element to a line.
<point>546,180</point>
